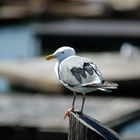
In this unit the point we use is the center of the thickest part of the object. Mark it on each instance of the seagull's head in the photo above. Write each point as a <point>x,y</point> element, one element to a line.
<point>62,53</point>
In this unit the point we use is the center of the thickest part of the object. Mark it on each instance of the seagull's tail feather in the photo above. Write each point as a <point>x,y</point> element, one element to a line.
<point>108,86</point>
<point>105,89</point>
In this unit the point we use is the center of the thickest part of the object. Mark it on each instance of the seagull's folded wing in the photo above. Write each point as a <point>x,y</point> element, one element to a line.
<point>79,71</point>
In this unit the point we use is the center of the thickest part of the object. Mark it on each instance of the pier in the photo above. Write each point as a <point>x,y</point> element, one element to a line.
<point>46,113</point>
<point>39,74</point>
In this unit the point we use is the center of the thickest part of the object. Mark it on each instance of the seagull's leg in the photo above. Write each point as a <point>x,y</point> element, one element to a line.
<point>68,113</point>
<point>73,102</point>
<point>84,98</point>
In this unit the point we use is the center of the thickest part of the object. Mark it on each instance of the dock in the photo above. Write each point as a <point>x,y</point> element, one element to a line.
<point>39,74</point>
<point>88,34</point>
<point>46,113</point>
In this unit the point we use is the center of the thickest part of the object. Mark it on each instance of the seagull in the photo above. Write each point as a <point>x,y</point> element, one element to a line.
<point>78,74</point>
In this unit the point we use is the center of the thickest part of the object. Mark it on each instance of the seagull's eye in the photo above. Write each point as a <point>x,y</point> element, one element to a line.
<point>62,52</point>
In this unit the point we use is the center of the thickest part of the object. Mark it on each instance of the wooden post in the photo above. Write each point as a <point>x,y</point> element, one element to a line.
<point>83,127</point>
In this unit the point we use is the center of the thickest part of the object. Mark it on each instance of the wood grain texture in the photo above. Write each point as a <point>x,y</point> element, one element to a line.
<point>83,127</point>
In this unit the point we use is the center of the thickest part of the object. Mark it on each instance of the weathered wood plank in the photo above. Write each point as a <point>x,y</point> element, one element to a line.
<point>48,111</point>
<point>39,74</point>
<point>105,28</point>
<point>83,127</point>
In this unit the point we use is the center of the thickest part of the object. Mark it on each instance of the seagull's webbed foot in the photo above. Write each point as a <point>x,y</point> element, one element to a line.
<point>68,113</point>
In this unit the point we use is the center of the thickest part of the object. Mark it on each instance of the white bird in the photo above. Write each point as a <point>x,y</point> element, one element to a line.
<point>78,74</point>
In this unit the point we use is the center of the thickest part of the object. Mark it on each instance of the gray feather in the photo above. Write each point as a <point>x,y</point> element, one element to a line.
<point>79,70</point>
<point>106,90</point>
<point>88,68</point>
<point>110,85</point>
<point>76,73</point>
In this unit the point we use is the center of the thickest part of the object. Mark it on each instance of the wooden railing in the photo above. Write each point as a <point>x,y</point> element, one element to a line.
<point>83,127</point>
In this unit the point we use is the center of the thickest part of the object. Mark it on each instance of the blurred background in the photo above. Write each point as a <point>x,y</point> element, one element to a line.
<point>32,101</point>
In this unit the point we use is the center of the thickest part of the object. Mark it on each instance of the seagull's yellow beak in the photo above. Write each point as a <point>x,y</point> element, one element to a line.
<point>49,57</point>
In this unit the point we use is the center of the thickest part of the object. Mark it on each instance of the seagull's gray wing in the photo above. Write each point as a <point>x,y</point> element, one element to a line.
<point>79,71</point>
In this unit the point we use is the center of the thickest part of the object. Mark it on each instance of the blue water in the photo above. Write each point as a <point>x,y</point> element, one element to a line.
<point>17,42</point>
<point>132,128</point>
